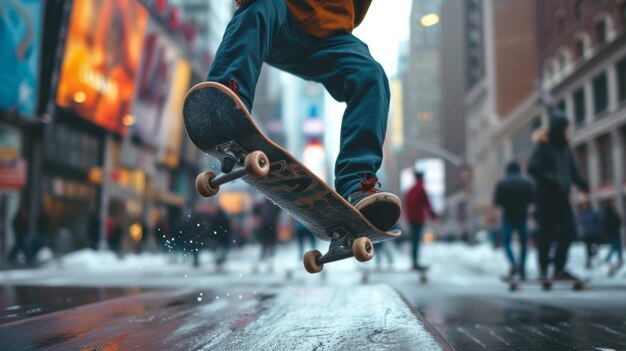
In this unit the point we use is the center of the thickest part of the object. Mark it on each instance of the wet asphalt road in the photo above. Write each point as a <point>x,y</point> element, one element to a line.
<point>470,308</point>
<point>320,318</point>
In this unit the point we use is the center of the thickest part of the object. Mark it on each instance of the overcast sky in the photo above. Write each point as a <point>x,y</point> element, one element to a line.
<point>385,27</point>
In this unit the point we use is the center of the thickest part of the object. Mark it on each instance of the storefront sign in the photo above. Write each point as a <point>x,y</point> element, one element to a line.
<point>13,174</point>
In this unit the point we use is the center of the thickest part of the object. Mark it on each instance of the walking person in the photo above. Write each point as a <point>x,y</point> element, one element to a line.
<point>612,224</point>
<point>514,194</point>
<point>303,235</point>
<point>417,211</point>
<point>312,39</point>
<point>554,169</point>
<point>221,229</point>
<point>267,225</point>
<point>20,230</point>
<point>591,228</point>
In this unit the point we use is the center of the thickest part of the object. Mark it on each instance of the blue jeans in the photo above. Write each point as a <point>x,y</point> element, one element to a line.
<point>616,247</point>
<point>266,31</point>
<point>416,238</point>
<point>508,229</point>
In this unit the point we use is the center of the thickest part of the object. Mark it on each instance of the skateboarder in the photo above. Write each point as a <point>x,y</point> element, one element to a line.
<point>554,168</point>
<point>312,39</point>
<point>417,210</point>
<point>513,195</point>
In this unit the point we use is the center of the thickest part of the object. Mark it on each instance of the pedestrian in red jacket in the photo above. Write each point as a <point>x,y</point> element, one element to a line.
<point>417,210</point>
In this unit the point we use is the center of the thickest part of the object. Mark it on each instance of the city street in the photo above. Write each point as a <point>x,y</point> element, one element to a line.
<point>144,301</point>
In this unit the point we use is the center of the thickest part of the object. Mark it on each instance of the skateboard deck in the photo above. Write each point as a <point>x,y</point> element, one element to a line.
<point>575,284</point>
<point>219,124</point>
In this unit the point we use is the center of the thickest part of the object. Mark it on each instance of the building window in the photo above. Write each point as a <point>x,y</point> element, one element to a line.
<point>579,107</point>
<point>600,94</point>
<point>624,12</point>
<point>579,9</point>
<point>601,32</point>
<point>621,80</point>
<point>605,154</point>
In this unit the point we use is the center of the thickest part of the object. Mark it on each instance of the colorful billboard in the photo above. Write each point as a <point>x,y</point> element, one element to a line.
<point>20,45</point>
<point>154,82</point>
<point>102,54</point>
<point>171,130</point>
<point>162,83</point>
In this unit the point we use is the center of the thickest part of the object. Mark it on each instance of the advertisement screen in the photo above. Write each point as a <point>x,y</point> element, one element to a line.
<point>102,54</point>
<point>20,36</point>
<point>171,130</point>
<point>160,56</point>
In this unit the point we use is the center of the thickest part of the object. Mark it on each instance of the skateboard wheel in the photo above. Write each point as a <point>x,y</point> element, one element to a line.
<point>203,186</point>
<point>257,164</point>
<point>363,249</point>
<point>309,262</point>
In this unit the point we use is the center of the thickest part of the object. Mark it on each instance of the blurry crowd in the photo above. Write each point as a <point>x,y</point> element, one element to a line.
<point>555,222</point>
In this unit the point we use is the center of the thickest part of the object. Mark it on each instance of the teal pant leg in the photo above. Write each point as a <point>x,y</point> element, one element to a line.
<point>344,65</point>
<point>246,43</point>
<point>265,31</point>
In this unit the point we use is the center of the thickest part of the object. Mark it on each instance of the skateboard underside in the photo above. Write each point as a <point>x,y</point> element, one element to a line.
<point>219,124</point>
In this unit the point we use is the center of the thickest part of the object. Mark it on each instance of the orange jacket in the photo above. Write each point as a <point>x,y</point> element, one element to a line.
<point>322,18</point>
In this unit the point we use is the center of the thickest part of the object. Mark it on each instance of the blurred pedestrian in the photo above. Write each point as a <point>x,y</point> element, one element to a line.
<point>514,194</point>
<point>591,228</point>
<point>20,230</point>
<point>93,227</point>
<point>267,218</point>
<point>612,224</point>
<point>221,228</point>
<point>303,235</point>
<point>417,211</point>
<point>40,237</point>
<point>382,249</point>
<point>115,234</point>
<point>554,169</point>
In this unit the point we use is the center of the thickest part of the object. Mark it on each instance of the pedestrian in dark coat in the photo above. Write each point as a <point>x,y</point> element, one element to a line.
<point>267,215</point>
<point>554,169</point>
<point>513,195</point>
<point>20,229</point>
<point>221,228</point>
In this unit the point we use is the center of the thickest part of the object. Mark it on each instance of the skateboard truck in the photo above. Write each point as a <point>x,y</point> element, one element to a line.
<point>255,164</point>
<point>340,247</point>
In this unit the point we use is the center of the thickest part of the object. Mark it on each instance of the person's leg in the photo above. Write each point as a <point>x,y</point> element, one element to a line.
<point>523,242</point>
<point>544,242</point>
<point>246,43</point>
<point>560,257</point>
<point>416,237</point>
<point>612,250</point>
<point>345,66</point>
<point>507,234</point>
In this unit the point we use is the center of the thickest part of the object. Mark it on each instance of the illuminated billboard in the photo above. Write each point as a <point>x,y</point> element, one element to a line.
<point>162,82</point>
<point>20,36</point>
<point>102,55</point>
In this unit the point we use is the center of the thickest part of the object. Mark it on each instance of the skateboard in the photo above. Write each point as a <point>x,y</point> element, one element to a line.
<point>516,284</point>
<point>219,124</point>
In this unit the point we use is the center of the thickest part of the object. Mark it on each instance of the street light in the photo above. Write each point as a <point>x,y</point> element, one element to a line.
<point>429,20</point>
